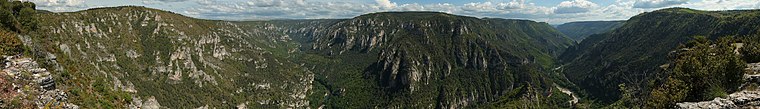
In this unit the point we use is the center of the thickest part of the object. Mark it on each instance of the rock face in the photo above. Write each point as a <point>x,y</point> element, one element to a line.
<point>152,53</point>
<point>601,62</point>
<point>753,68</point>
<point>29,79</point>
<point>427,53</point>
<point>438,59</point>
<point>742,99</point>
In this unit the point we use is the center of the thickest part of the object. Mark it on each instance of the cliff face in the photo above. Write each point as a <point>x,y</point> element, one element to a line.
<point>433,56</point>
<point>633,53</point>
<point>409,59</point>
<point>183,62</point>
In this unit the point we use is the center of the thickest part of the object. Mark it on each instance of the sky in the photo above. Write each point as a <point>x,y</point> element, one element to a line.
<point>550,11</point>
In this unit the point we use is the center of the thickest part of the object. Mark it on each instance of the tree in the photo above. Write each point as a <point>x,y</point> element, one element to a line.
<point>27,19</point>
<point>7,19</point>
<point>702,70</point>
<point>751,50</point>
<point>18,16</point>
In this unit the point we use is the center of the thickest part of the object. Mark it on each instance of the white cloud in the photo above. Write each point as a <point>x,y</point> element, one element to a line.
<point>386,3</point>
<point>515,4</point>
<point>569,10</point>
<point>724,4</point>
<point>442,7</point>
<point>60,5</point>
<point>575,6</point>
<point>411,7</point>
<point>658,3</point>
<point>486,6</point>
<point>162,1</point>
<point>58,2</point>
<point>515,8</point>
<point>280,9</point>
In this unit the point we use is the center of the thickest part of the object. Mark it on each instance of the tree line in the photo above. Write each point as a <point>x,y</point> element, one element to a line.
<point>16,17</point>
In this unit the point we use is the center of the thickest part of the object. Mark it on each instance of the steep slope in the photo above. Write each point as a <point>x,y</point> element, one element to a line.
<point>633,53</point>
<point>136,57</point>
<point>429,59</point>
<point>180,61</point>
<point>580,30</point>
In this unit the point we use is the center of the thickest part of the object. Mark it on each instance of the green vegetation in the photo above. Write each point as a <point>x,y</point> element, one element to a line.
<point>15,17</point>
<point>633,53</point>
<point>580,30</point>
<point>751,50</point>
<point>383,60</point>
<point>18,16</point>
<point>361,74</point>
<point>9,43</point>
<point>701,70</point>
<point>628,99</point>
<point>425,61</point>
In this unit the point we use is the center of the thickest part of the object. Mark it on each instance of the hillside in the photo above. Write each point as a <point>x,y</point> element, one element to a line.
<point>580,30</point>
<point>137,57</point>
<point>633,54</point>
<point>182,62</point>
<point>430,59</point>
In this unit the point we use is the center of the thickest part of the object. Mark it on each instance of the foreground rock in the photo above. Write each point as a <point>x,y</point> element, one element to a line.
<point>753,68</point>
<point>743,99</point>
<point>28,79</point>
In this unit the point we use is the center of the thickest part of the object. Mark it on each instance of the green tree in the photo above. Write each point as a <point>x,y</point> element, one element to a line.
<point>27,19</point>
<point>18,16</point>
<point>7,19</point>
<point>751,50</point>
<point>701,70</point>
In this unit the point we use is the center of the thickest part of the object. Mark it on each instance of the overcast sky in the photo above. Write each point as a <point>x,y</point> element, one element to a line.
<point>551,11</point>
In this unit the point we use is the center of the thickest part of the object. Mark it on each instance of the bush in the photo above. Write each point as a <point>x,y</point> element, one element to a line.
<point>702,71</point>
<point>18,16</point>
<point>9,43</point>
<point>27,19</point>
<point>751,52</point>
<point>7,19</point>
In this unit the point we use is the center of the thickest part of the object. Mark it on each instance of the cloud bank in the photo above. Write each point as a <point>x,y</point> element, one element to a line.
<point>657,3</point>
<point>566,11</point>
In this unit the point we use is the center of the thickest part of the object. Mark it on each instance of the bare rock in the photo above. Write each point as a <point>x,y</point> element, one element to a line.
<point>151,103</point>
<point>742,99</point>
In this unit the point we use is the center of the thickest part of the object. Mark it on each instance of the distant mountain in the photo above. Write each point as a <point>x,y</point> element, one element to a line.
<point>580,30</point>
<point>431,59</point>
<point>135,56</point>
<point>634,53</point>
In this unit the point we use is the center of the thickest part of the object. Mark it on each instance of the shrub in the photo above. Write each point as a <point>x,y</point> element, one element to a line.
<point>27,19</point>
<point>9,43</point>
<point>751,52</point>
<point>705,70</point>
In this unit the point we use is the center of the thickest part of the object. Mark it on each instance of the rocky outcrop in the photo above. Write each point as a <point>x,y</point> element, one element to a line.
<point>170,56</point>
<point>272,63</point>
<point>568,92</point>
<point>29,79</point>
<point>415,54</point>
<point>150,103</point>
<point>753,68</point>
<point>742,99</point>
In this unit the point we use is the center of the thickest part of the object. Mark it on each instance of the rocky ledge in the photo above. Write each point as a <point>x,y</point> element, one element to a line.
<point>23,77</point>
<point>742,99</point>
